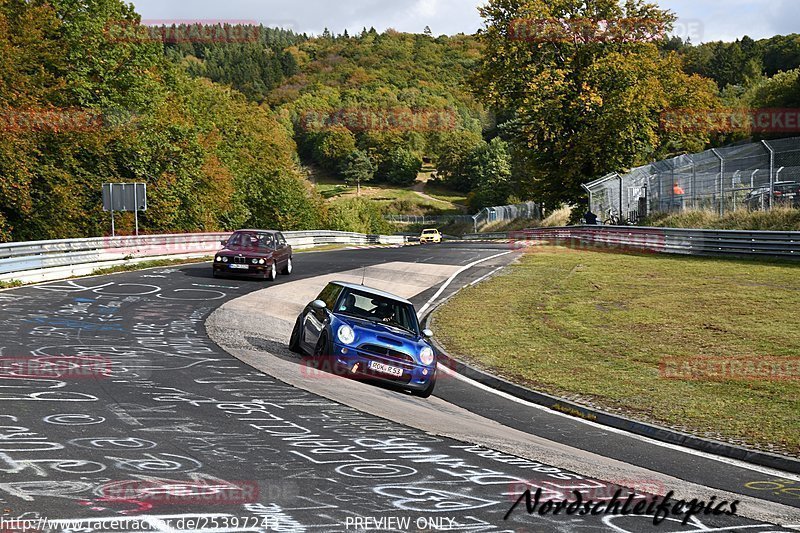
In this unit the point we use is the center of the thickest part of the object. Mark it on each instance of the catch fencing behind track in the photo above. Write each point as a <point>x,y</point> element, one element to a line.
<point>752,177</point>
<point>486,216</point>
<point>507,213</point>
<point>48,260</point>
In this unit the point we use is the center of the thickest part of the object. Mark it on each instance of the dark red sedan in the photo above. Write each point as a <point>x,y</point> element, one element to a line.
<point>254,253</point>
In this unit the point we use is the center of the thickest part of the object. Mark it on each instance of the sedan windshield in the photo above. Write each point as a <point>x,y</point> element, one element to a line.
<point>243,239</point>
<point>378,309</point>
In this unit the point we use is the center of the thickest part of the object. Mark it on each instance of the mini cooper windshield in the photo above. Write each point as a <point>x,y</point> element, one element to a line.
<point>372,308</point>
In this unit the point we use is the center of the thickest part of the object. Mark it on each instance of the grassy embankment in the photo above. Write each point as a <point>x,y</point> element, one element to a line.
<point>782,219</point>
<point>393,199</point>
<point>595,327</point>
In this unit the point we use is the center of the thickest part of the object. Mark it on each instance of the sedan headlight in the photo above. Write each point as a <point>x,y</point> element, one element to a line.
<point>263,261</point>
<point>218,259</point>
<point>255,261</point>
<point>224,259</point>
<point>426,356</point>
<point>346,335</point>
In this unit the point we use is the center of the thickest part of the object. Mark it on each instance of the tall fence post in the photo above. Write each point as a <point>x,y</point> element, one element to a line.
<point>672,185</point>
<point>694,182</point>
<point>721,185</point>
<point>591,197</point>
<point>771,172</point>
<point>660,193</point>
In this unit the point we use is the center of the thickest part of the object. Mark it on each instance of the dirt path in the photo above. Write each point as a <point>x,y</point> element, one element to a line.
<point>419,189</point>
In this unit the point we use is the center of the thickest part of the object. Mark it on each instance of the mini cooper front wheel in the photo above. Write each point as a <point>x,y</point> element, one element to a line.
<point>294,341</point>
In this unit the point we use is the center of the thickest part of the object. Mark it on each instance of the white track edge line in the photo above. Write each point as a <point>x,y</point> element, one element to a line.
<point>698,453</point>
<point>452,278</point>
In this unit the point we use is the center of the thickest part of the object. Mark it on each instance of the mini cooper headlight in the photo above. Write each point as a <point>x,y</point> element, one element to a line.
<point>426,356</point>
<point>346,335</point>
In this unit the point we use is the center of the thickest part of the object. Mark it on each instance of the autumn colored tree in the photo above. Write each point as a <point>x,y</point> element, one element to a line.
<point>587,100</point>
<point>87,97</point>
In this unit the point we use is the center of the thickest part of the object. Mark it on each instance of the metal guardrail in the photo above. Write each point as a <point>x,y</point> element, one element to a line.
<point>65,256</point>
<point>778,244</point>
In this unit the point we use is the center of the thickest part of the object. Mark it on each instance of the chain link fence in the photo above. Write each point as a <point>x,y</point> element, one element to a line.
<point>754,177</point>
<point>429,219</point>
<point>507,213</point>
<point>489,215</point>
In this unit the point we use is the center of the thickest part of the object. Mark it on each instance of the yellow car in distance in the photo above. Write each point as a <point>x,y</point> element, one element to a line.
<point>430,236</point>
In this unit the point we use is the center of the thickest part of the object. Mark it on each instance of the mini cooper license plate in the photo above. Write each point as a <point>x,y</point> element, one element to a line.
<point>240,267</point>
<point>386,369</point>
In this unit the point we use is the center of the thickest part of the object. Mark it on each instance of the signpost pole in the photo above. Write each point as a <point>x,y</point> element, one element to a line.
<point>136,206</point>
<point>111,199</point>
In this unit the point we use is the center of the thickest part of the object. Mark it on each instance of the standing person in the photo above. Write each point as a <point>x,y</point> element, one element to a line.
<point>679,194</point>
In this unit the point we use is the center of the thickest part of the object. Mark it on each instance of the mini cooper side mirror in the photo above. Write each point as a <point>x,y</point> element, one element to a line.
<point>427,333</point>
<point>318,305</point>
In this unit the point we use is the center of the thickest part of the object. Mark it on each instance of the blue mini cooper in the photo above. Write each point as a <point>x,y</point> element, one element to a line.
<point>367,333</point>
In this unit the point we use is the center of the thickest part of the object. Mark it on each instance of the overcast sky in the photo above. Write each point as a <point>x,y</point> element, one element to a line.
<point>703,20</point>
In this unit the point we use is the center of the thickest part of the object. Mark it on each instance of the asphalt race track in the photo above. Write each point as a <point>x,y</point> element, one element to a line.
<point>170,432</point>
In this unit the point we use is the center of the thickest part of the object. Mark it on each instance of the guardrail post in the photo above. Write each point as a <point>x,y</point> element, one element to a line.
<point>771,172</point>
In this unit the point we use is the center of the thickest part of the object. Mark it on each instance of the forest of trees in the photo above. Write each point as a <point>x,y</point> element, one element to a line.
<point>81,107</point>
<point>219,128</point>
<point>392,98</point>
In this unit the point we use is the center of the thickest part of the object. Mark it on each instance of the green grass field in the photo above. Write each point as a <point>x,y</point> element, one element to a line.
<point>446,195</point>
<point>394,200</point>
<point>595,327</point>
<point>779,219</point>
